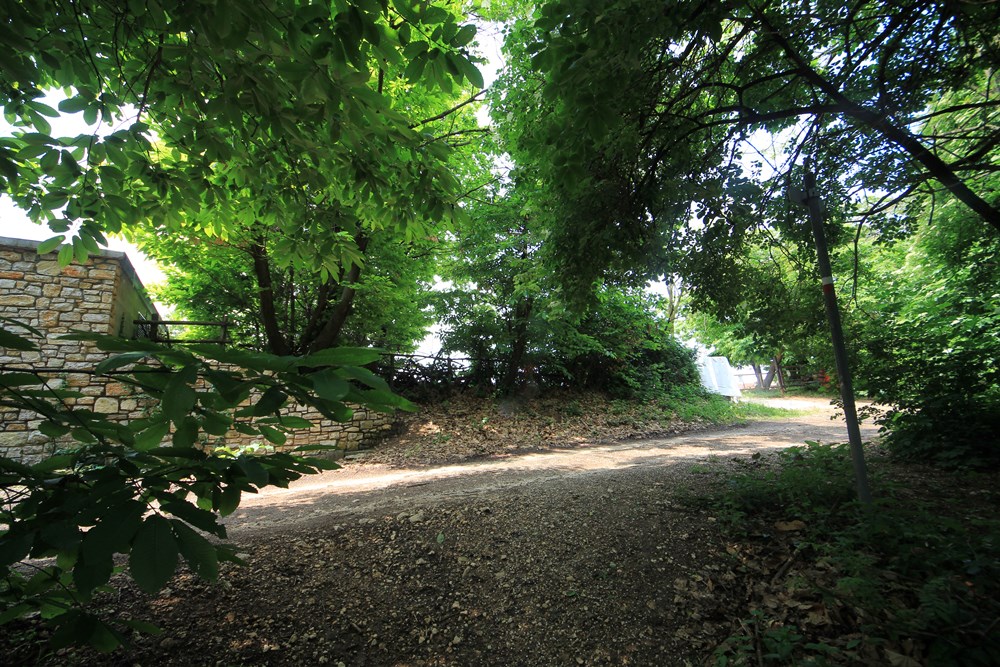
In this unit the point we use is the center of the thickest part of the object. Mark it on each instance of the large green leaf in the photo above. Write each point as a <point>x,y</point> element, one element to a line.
<point>341,356</point>
<point>328,385</point>
<point>153,559</point>
<point>199,553</point>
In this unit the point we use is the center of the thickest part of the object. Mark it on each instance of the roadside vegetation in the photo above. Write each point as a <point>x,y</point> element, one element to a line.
<point>912,580</point>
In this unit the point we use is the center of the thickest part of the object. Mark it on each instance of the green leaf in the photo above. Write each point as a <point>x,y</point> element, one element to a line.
<point>113,533</point>
<point>270,402</point>
<point>153,559</point>
<point>341,356</point>
<point>119,360</point>
<point>12,341</point>
<point>52,429</point>
<point>363,375</point>
<point>328,385</point>
<point>65,256</point>
<point>255,472</point>
<point>272,435</point>
<point>291,421</point>
<point>465,35</point>
<point>14,547</point>
<point>48,245</point>
<point>194,515</point>
<point>185,433</point>
<point>15,379</point>
<point>179,396</point>
<point>229,499</point>
<point>197,551</point>
<point>152,437</point>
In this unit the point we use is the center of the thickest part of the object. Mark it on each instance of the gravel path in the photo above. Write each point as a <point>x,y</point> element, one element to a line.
<point>575,556</point>
<point>360,489</point>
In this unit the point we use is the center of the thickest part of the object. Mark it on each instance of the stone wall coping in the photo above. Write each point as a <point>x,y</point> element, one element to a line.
<point>116,255</point>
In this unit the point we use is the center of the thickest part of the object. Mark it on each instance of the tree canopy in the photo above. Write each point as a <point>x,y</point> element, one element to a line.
<point>296,129</point>
<point>642,114</point>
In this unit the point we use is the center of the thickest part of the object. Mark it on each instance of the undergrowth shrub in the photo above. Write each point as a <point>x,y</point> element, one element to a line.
<point>913,568</point>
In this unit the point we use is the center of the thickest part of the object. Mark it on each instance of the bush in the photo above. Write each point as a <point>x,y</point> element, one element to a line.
<point>933,355</point>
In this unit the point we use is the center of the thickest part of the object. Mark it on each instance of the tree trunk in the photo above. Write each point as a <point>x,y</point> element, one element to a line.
<point>759,375</point>
<point>328,335</point>
<point>519,345</point>
<point>769,378</point>
<point>265,289</point>
<point>778,372</point>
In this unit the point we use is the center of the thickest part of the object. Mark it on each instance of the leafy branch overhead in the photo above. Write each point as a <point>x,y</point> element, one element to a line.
<point>640,114</point>
<point>120,490</point>
<point>292,115</point>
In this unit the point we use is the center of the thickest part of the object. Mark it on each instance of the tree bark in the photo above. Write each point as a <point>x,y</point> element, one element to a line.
<point>759,375</point>
<point>769,378</point>
<point>276,343</point>
<point>519,344</point>
<point>779,372</point>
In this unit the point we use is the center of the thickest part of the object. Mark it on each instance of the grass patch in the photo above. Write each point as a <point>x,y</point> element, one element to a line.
<point>913,581</point>
<point>720,410</point>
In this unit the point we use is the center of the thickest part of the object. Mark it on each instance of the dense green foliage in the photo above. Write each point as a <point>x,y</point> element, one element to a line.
<point>295,131</point>
<point>506,311</point>
<point>932,347</point>
<point>639,114</point>
<point>216,281</point>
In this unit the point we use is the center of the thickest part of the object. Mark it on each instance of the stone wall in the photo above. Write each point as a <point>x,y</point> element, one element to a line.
<point>102,296</point>
<point>366,429</point>
<point>105,296</point>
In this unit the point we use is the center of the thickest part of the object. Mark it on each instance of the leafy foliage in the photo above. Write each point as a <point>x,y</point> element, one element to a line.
<point>640,116</point>
<point>932,353</point>
<point>116,489</point>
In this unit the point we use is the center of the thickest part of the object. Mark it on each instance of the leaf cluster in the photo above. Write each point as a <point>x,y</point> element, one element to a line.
<point>117,488</point>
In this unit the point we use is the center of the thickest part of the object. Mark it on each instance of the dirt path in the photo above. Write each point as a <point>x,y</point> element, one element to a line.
<point>360,489</point>
<point>575,556</point>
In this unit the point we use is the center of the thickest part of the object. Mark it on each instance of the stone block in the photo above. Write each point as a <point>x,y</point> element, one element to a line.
<point>48,268</point>
<point>105,405</point>
<point>117,389</point>
<point>13,439</point>
<point>17,300</point>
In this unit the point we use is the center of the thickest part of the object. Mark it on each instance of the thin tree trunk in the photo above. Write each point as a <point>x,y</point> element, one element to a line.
<point>779,372</point>
<point>519,346</point>
<point>769,378</point>
<point>759,375</point>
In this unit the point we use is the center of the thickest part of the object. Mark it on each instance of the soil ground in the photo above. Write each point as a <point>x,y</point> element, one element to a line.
<point>574,555</point>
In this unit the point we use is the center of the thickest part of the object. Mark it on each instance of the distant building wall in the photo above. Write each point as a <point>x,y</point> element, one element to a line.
<point>105,296</point>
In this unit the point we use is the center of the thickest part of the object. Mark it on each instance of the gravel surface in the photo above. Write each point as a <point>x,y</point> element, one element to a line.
<point>567,556</point>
